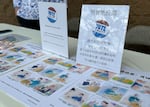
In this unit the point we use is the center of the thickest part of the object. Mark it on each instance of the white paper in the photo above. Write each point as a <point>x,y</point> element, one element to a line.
<point>96,89</point>
<point>53,25</point>
<point>18,56</point>
<point>102,35</point>
<point>55,81</point>
<point>36,82</point>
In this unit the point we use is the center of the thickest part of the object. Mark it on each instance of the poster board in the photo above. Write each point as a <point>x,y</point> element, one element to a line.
<point>102,35</point>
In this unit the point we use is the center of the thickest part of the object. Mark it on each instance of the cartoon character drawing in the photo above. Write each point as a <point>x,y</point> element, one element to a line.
<point>4,68</point>
<point>36,54</point>
<point>2,53</point>
<point>51,72</point>
<point>3,62</point>
<point>17,49</point>
<point>65,64</point>
<point>13,57</point>
<point>62,78</point>
<point>104,75</point>
<point>33,82</point>
<point>123,80</point>
<point>141,86</point>
<point>52,60</point>
<point>132,100</point>
<point>48,89</point>
<point>112,92</point>
<point>75,97</point>
<point>38,67</point>
<point>19,61</point>
<point>90,85</point>
<point>20,75</point>
<point>79,68</point>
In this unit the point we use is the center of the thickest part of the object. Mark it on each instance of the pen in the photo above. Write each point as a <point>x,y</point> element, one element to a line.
<point>5,31</point>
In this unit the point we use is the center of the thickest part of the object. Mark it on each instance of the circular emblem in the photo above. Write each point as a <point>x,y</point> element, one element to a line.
<point>51,15</point>
<point>101,29</point>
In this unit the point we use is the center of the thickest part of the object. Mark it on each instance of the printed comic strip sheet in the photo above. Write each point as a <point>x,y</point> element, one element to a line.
<point>54,81</point>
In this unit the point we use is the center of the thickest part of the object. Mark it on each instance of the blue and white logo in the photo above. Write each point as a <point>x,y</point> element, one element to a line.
<point>52,15</point>
<point>102,29</point>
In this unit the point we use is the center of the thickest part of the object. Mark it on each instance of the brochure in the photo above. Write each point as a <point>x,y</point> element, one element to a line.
<point>53,26</point>
<point>102,35</point>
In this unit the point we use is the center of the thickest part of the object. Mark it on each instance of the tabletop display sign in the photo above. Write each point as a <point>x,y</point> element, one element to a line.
<point>102,35</point>
<point>53,25</point>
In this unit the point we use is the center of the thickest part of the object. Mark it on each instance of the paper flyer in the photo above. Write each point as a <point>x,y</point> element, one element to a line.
<point>53,26</point>
<point>116,91</point>
<point>36,82</point>
<point>102,35</point>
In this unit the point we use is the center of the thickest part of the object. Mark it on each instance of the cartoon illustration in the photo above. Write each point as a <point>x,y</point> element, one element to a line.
<point>79,68</point>
<point>36,54</point>
<point>48,89</point>
<point>51,72</point>
<point>32,82</point>
<point>62,78</point>
<point>65,64</point>
<point>100,103</point>
<point>123,80</point>
<point>17,49</point>
<point>141,86</point>
<point>91,85</point>
<point>52,60</point>
<point>4,68</point>
<point>133,100</point>
<point>3,62</point>
<point>12,57</point>
<point>19,61</point>
<point>27,52</point>
<point>2,53</point>
<point>5,44</point>
<point>112,92</point>
<point>20,75</point>
<point>101,74</point>
<point>38,67</point>
<point>75,97</point>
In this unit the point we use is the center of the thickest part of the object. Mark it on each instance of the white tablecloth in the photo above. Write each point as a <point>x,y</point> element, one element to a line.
<point>131,59</point>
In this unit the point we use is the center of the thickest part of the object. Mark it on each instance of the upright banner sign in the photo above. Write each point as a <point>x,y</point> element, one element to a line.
<point>102,35</point>
<point>53,25</point>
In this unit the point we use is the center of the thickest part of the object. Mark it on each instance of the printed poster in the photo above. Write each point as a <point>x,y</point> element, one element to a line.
<point>102,35</point>
<point>53,25</point>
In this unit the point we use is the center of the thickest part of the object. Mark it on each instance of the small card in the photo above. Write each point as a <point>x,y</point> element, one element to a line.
<point>102,35</point>
<point>53,25</point>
